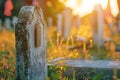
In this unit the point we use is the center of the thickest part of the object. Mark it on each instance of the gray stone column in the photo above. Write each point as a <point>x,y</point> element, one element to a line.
<point>78,21</point>
<point>50,22</point>
<point>14,19</point>
<point>30,44</point>
<point>100,25</point>
<point>59,23</point>
<point>67,22</point>
<point>119,22</point>
<point>7,23</point>
<point>0,24</point>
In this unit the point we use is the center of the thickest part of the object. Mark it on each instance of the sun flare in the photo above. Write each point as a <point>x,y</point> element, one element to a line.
<point>84,7</point>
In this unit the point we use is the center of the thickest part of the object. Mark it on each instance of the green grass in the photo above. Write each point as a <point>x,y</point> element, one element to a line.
<point>98,52</point>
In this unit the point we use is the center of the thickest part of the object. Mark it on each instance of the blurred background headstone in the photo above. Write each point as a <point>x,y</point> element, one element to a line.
<point>59,23</point>
<point>100,22</point>
<point>50,22</point>
<point>14,19</point>
<point>7,23</point>
<point>77,21</point>
<point>118,2</point>
<point>0,24</point>
<point>67,22</point>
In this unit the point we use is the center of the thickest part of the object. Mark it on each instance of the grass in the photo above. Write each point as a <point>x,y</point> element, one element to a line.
<point>7,55</point>
<point>98,52</point>
<point>57,47</point>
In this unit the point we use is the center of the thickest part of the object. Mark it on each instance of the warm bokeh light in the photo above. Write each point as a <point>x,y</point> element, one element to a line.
<point>114,7</point>
<point>84,7</point>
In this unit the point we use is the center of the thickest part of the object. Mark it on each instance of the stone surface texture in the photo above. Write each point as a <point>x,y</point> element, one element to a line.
<point>30,60</point>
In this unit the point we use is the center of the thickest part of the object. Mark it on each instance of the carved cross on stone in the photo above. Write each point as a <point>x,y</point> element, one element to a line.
<point>30,44</point>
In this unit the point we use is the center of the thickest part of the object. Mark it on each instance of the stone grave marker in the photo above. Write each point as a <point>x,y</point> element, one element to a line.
<point>7,23</point>
<point>14,19</point>
<point>84,67</point>
<point>77,21</point>
<point>100,25</point>
<point>101,64</point>
<point>0,24</point>
<point>50,21</point>
<point>119,22</point>
<point>67,22</point>
<point>59,24</point>
<point>30,44</point>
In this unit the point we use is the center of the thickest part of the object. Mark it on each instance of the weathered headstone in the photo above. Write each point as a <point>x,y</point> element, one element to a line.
<point>14,19</point>
<point>77,21</point>
<point>100,25</point>
<point>67,22</point>
<point>119,22</point>
<point>50,21</point>
<point>101,64</point>
<point>93,20</point>
<point>88,68</point>
<point>7,23</point>
<point>118,2</point>
<point>30,44</point>
<point>59,23</point>
<point>0,24</point>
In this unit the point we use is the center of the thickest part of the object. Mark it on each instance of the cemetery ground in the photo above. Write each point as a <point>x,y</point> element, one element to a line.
<point>59,47</point>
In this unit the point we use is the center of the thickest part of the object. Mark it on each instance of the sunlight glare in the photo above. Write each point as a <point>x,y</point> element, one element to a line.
<point>114,7</point>
<point>85,7</point>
